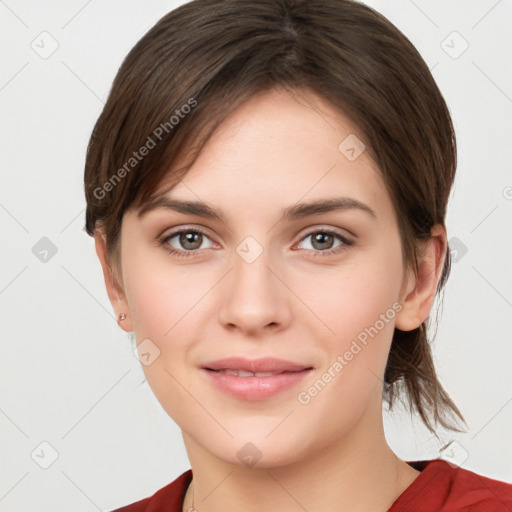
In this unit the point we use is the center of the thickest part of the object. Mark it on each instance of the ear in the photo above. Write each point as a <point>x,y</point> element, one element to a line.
<point>421,288</point>
<point>114,290</point>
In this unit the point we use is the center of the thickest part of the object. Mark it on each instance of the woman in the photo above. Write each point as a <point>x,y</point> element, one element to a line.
<point>267,188</point>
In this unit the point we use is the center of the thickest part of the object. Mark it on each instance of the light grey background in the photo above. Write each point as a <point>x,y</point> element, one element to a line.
<point>68,374</point>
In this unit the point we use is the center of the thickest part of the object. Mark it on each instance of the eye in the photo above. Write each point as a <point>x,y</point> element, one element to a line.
<point>322,242</point>
<point>191,240</point>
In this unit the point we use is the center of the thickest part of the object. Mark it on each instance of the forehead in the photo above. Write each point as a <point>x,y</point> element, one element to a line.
<point>279,148</point>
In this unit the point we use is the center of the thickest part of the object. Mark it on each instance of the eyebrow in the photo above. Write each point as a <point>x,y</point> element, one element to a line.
<point>296,211</point>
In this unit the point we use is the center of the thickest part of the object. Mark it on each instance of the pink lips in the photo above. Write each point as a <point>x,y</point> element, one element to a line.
<point>287,375</point>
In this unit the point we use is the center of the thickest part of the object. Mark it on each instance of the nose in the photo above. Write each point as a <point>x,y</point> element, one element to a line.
<point>254,297</point>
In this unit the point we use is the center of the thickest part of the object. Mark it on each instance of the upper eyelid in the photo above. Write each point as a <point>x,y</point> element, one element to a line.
<point>176,231</point>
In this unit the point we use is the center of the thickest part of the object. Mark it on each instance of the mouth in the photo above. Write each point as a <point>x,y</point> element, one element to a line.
<point>254,380</point>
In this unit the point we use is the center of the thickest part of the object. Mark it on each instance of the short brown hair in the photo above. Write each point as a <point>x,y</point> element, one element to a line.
<point>214,55</point>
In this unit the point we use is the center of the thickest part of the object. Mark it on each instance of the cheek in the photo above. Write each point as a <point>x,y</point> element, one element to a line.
<point>357,293</point>
<point>360,306</point>
<point>164,301</point>
<point>167,303</point>
<point>161,295</point>
<point>151,304</point>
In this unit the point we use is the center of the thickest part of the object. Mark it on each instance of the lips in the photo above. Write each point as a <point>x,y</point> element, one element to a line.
<point>255,379</point>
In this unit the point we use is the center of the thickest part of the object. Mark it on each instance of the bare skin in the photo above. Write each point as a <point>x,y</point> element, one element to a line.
<point>292,302</point>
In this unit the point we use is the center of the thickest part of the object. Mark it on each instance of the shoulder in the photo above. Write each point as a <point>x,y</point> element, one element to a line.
<point>443,487</point>
<point>166,499</point>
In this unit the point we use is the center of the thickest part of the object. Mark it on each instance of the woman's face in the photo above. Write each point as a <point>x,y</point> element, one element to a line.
<point>320,290</point>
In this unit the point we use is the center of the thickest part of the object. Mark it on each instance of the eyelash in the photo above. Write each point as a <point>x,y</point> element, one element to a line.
<point>184,254</point>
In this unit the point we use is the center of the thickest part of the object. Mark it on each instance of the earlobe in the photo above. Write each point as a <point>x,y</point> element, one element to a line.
<point>114,290</point>
<point>418,301</point>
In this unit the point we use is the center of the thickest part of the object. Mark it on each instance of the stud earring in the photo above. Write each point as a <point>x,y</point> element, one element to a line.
<point>122,317</point>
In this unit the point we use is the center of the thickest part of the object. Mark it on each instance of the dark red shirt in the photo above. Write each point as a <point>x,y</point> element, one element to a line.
<point>438,488</point>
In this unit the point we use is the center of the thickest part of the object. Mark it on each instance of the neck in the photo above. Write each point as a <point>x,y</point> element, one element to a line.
<point>358,473</point>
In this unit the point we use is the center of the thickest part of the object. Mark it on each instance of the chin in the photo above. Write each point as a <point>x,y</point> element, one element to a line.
<point>253,450</point>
